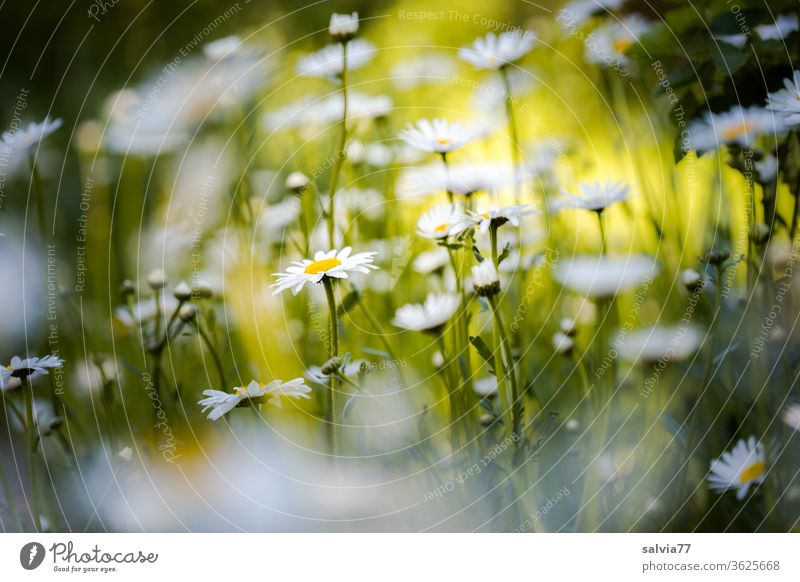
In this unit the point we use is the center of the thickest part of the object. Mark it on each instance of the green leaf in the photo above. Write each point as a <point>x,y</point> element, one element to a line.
<point>728,59</point>
<point>477,253</point>
<point>504,254</point>
<point>482,348</point>
<point>348,302</point>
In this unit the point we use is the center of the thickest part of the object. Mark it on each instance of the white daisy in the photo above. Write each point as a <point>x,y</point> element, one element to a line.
<point>791,417</point>
<point>485,280</point>
<point>486,217</point>
<point>594,196</point>
<point>737,126</point>
<point>767,168</point>
<point>431,315</point>
<point>220,403</point>
<point>329,60</point>
<point>223,48</point>
<point>441,221</point>
<point>563,343</point>
<point>493,51</point>
<point>430,68</point>
<point>661,343</point>
<point>745,465</point>
<point>343,27</point>
<point>486,386</point>
<point>438,136</point>
<point>334,264</point>
<point>23,140</point>
<point>607,45</point>
<point>11,376</point>
<point>786,102</point>
<point>578,11</point>
<point>464,178</point>
<point>431,261</point>
<point>604,276</point>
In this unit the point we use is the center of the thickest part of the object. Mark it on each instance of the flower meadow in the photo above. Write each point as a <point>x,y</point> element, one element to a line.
<point>409,267</point>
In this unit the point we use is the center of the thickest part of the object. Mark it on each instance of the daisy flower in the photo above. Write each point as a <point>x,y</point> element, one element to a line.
<point>329,60</point>
<point>12,375</point>
<point>441,221</point>
<point>25,139</point>
<point>778,30</point>
<point>745,465</point>
<point>791,417</point>
<point>659,343</point>
<point>335,264</point>
<point>221,403</point>
<point>493,51</point>
<point>465,178</point>
<point>594,196</point>
<point>223,48</point>
<point>607,45</point>
<point>494,216</point>
<point>737,126</point>
<point>437,136</point>
<point>343,27</point>
<point>604,276</point>
<point>414,72</point>
<point>486,386</point>
<point>563,343</point>
<point>431,261</point>
<point>485,280</point>
<point>429,316</point>
<point>786,102</point>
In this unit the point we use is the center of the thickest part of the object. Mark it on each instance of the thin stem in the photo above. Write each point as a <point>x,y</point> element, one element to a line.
<point>604,244</point>
<point>376,325</point>
<point>340,153</point>
<point>450,383</point>
<point>447,177</point>
<point>509,375</point>
<point>214,355</point>
<point>31,428</point>
<point>332,413</point>
<point>512,132</point>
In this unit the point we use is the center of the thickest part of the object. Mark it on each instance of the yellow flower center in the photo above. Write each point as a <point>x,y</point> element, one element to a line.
<point>622,44</point>
<point>485,215</point>
<point>752,472</point>
<point>441,228</point>
<point>322,266</point>
<point>735,131</point>
<point>443,141</point>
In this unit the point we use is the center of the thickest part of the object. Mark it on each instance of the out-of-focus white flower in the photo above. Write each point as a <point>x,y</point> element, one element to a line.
<point>738,469</point>
<point>414,72</point>
<point>21,304</point>
<point>486,386</point>
<point>297,182</point>
<point>430,261</point>
<point>464,178</point>
<point>27,369</point>
<point>791,417</point>
<point>485,279</point>
<point>222,48</point>
<point>563,343</point>
<point>307,113</point>
<point>786,102</point>
<point>778,30</point>
<point>493,51</point>
<point>276,218</point>
<point>661,343</point>
<point>429,316</point>
<point>594,196</point>
<point>437,136</point>
<point>604,276</point>
<point>441,221</point>
<point>126,454</point>
<point>767,168</point>
<point>329,60</point>
<point>490,96</point>
<point>495,216</point>
<point>343,27</point>
<point>22,140</point>
<point>737,126</point>
<point>145,310</point>
<point>221,403</point>
<point>335,264</point>
<point>607,45</point>
<point>577,12</point>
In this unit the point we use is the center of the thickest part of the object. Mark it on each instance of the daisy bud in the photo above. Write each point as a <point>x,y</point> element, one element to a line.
<point>343,27</point>
<point>437,360</point>
<point>202,290</point>
<point>568,326</point>
<point>182,292</point>
<point>562,343</point>
<point>759,233</point>
<point>157,279</point>
<point>485,280</point>
<point>331,366</point>
<point>56,422</point>
<point>297,182</point>
<point>187,312</point>
<point>127,287</point>
<point>692,280</point>
<point>487,419</point>
<point>572,425</point>
<point>717,256</point>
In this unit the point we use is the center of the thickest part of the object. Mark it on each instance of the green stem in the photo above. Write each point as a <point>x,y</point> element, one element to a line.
<point>512,132</point>
<point>332,412</point>
<point>7,491</point>
<point>376,325</point>
<point>31,428</point>
<point>447,177</point>
<point>450,386</point>
<point>602,224</point>
<point>214,355</point>
<point>340,152</point>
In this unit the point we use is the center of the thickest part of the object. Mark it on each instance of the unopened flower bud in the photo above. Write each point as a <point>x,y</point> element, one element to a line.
<point>692,280</point>
<point>717,256</point>
<point>331,366</point>
<point>297,182</point>
<point>343,27</point>
<point>182,291</point>
<point>127,287</point>
<point>487,419</point>
<point>485,280</point>
<point>562,343</point>
<point>568,326</point>
<point>157,279</point>
<point>187,312</point>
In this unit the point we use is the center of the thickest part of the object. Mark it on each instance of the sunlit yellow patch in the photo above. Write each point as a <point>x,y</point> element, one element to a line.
<point>322,266</point>
<point>622,44</point>
<point>735,131</point>
<point>752,472</point>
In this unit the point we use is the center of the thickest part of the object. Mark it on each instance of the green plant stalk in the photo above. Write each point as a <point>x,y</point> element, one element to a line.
<point>332,410</point>
<point>512,133</point>
<point>30,426</point>
<point>339,155</point>
<point>603,241</point>
<point>447,178</point>
<point>450,383</point>
<point>376,325</point>
<point>214,355</point>
<point>7,492</point>
<point>461,332</point>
